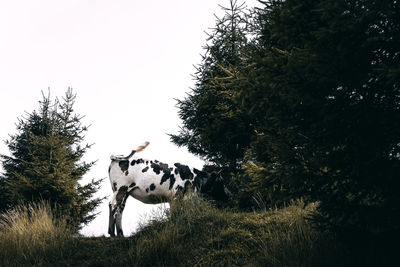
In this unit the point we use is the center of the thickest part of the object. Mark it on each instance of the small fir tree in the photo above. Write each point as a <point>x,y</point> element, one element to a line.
<point>46,162</point>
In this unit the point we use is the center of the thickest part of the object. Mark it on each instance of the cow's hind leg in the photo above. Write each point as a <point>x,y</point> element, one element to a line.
<point>118,208</point>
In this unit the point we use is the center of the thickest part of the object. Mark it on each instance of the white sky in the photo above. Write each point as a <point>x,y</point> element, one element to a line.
<point>127,60</point>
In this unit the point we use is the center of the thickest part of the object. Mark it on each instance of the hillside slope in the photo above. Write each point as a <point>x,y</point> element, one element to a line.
<point>191,233</point>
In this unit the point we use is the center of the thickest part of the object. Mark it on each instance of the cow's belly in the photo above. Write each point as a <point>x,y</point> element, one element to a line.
<point>151,197</point>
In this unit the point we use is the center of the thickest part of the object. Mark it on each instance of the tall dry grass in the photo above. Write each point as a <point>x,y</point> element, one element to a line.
<point>31,236</point>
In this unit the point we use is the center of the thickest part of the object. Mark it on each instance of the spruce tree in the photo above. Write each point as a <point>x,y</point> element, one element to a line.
<point>325,101</point>
<point>214,126</point>
<point>46,162</point>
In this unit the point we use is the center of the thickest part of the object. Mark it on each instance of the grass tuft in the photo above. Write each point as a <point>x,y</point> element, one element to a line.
<point>30,235</point>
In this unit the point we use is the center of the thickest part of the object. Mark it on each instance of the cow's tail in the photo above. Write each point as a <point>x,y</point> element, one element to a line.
<point>140,148</point>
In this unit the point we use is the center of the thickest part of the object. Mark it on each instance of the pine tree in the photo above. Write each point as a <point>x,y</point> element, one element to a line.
<point>46,162</point>
<point>214,126</point>
<point>325,101</point>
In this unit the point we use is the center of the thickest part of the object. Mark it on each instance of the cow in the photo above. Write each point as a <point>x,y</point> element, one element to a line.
<point>152,182</point>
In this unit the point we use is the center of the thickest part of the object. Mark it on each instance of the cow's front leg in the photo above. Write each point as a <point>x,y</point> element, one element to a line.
<point>111,221</point>
<point>112,209</point>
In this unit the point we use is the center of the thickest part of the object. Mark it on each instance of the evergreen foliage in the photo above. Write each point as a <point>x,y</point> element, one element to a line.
<point>214,126</point>
<point>46,162</point>
<point>325,104</point>
<point>313,102</point>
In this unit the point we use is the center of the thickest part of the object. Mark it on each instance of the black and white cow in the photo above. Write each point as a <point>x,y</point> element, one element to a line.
<point>152,182</point>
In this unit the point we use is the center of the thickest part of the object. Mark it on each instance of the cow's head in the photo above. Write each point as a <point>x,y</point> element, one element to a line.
<point>214,187</point>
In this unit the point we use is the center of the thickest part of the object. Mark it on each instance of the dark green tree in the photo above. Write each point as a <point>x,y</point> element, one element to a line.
<point>325,103</point>
<point>46,162</point>
<point>214,126</point>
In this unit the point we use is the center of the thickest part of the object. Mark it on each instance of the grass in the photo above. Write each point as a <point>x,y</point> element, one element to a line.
<point>191,233</point>
<point>30,235</point>
<point>194,233</point>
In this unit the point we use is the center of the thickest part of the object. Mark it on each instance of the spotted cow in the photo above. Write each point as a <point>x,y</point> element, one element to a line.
<point>152,182</point>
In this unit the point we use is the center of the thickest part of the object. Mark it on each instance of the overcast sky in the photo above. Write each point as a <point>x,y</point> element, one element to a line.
<point>127,60</point>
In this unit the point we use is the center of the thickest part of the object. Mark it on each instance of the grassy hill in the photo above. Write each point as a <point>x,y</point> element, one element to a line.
<point>191,233</point>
